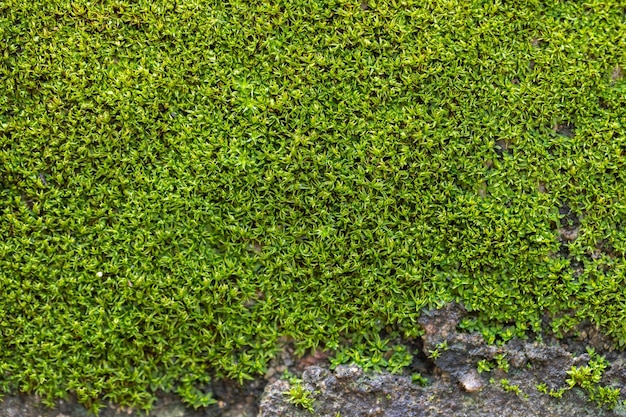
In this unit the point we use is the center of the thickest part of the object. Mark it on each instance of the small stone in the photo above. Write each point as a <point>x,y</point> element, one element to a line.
<point>569,233</point>
<point>348,371</point>
<point>471,382</point>
<point>375,411</point>
<point>270,373</point>
<point>542,188</point>
<point>314,373</point>
<point>617,73</point>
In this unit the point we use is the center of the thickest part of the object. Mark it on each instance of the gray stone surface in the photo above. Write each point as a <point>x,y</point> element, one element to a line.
<point>347,392</point>
<point>457,389</point>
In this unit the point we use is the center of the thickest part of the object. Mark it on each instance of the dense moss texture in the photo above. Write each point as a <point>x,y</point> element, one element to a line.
<point>184,182</point>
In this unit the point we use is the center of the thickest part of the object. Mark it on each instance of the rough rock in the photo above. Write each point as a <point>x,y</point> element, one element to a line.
<point>347,392</point>
<point>457,389</point>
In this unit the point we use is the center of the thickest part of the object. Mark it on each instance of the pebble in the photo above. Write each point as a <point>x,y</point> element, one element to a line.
<point>471,382</point>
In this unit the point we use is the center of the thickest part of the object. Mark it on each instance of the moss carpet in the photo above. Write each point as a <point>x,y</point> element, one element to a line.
<point>183,182</point>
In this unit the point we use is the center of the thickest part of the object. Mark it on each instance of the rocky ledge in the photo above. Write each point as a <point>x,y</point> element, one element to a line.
<point>519,378</point>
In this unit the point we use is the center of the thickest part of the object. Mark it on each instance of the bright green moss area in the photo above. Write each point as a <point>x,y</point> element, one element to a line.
<point>184,182</point>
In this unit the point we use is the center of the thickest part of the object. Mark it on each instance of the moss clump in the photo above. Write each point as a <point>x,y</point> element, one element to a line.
<point>374,354</point>
<point>588,378</point>
<point>184,182</point>
<point>299,396</point>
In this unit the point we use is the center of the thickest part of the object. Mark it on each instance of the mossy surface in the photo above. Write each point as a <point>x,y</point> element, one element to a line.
<point>184,182</point>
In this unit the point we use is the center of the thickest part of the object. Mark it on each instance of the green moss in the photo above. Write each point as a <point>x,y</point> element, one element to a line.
<point>508,387</point>
<point>588,378</point>
<point>373,353</point>
<point>419,379</point>
<point>484,366</point>
<point>299,396</point>
<point>500,361</point>
<point>182,183</point>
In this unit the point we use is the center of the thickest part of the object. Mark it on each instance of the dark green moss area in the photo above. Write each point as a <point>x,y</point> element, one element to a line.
<point>184,182</point>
